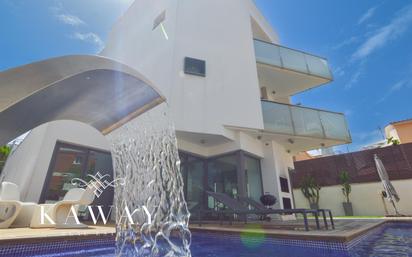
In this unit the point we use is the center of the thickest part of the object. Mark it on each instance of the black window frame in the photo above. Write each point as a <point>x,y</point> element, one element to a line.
<point>287,203</point>
<point>284,185</point>
<point>58,145</point>
<point>190,62</point>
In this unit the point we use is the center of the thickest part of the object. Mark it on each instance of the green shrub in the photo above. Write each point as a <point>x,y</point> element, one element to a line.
<point>310,189</point>
<point>345,183</point>
<point>4,153</point>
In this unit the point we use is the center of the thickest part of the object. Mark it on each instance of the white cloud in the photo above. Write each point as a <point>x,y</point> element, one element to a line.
<point>394,88</point>
<point>70,19</point>
<point>385,34</point>
<point>346,42</point>
<point>367,15</point>
<point>339,72</point>
<point>90,37</point>
<point>367,138</point>
<point>61,15</point>
<point>348,112</point>
<point>397,86</point>
<point>356,76</point>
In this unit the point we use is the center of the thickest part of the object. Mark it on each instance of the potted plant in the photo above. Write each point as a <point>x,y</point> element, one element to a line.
<point>346,190</point>
<point>393,141</point>
<point>268,200</point>
<point>310,189</point>
<point>4,153</point>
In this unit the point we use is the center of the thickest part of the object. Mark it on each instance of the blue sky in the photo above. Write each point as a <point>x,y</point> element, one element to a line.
<point>368,45</point>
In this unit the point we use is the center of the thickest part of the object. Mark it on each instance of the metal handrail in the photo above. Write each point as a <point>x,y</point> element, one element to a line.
<point>324,133</point>
<point>296,50</point>
<point>308,68</point>
<point>304,107</point>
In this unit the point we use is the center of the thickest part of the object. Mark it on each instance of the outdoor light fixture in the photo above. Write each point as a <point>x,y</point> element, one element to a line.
<point>158,22</point>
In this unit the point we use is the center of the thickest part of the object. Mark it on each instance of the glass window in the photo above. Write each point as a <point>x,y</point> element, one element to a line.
<point>222,175</point>
<point>100,164</point>
<point>195,67</point>
<point>71,162</point>
<point>253,178</point>
<point>287,203</point>
<point>68,164</point>
<point>284,185</point>
<point>193,173</point>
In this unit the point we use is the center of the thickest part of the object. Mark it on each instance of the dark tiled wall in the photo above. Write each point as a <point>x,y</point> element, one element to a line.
<point>360,165</point>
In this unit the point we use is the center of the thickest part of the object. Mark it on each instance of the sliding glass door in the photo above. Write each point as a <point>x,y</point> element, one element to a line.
<point>193,173</point>
<point>71,161</point>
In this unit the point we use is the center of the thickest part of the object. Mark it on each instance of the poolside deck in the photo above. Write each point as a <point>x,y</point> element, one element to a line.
<point>28,235</point>
<point>346,230</point>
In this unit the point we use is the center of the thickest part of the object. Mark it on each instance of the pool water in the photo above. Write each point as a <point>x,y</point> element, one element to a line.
<point>392,239</point>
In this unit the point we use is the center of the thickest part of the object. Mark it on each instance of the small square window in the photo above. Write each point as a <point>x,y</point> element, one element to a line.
<point>284,185</point>
<point>195,67</point>
<point>287,203</point>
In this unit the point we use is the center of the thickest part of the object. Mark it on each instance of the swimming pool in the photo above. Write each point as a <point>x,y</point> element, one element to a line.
<point>390,239</point>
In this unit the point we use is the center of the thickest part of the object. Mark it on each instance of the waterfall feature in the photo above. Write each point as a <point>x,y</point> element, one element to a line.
<point>145,153</point>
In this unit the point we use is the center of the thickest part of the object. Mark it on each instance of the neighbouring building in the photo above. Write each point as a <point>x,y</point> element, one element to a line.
<point>401,130</point>
<point>228,82</point>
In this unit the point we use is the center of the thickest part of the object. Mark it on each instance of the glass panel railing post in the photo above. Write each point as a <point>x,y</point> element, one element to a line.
<point>282,62</point>
<point>307,64</point>
<point>292,120</point>
<point>321,125</point>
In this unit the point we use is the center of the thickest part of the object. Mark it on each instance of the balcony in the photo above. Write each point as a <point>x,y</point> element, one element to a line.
<point>302,128</point>
<point>286,71</point>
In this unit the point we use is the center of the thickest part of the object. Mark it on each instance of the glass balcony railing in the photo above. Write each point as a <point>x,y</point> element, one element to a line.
<point>286,58</point>
<point>307,122</point>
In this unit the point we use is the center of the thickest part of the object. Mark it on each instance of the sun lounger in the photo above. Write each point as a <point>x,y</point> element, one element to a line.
<point>13,212</point>
<point>258,206</point>
<point>60,211</point>
<point>233,206</point>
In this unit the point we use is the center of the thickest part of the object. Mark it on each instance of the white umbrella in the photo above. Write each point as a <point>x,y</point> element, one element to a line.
<point>391,193</point>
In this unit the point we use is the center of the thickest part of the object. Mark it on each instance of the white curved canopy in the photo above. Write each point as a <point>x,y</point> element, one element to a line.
<point>92,89</point>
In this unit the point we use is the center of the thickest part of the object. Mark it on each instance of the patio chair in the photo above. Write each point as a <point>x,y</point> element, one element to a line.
<point>60,211</point>
<point>235,207</point>
<point>258,206</point>
<point>13,212</point>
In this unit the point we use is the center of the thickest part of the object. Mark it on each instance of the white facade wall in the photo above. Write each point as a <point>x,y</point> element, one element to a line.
<point>239,140</point>
<point>276,163</point>
<point>365,197</point>
<point>220,33</point>
<point>28,165</point>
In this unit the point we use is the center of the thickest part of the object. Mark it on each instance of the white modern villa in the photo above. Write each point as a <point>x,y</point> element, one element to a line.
<point>228,81</point>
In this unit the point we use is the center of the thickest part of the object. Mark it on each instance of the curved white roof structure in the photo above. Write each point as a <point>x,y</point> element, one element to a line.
<point>95,90</point>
